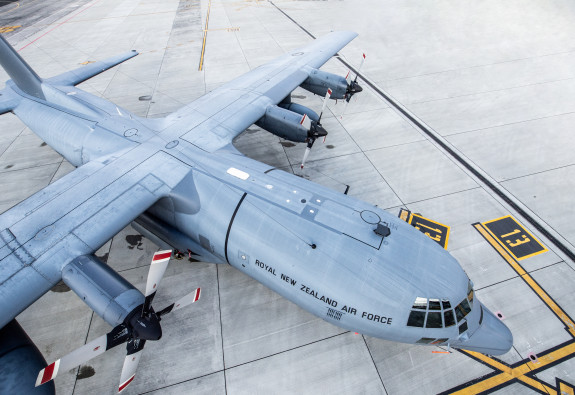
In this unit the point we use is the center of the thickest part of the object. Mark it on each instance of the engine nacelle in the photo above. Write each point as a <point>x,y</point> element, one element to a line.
<point>299,109</point>
<point>284,123</point>
<point>319,81</point>
<point>20,362</point>
<point>100,287</point>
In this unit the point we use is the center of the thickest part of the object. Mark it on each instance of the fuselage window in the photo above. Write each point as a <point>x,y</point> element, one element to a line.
<point>463,327</point>
<point>433,320</point>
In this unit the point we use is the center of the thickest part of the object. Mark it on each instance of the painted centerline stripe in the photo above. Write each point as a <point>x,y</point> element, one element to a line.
<point>205,37</point>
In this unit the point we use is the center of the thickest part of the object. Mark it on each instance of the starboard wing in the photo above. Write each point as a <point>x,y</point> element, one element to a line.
<point>212,121</point>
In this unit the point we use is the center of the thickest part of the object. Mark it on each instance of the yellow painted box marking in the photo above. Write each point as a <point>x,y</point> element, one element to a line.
<point>517,240</point>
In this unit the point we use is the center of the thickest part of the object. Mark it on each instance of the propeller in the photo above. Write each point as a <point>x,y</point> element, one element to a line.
<point>352,85</point>
<point>136,329</point>
<point>315,129</point>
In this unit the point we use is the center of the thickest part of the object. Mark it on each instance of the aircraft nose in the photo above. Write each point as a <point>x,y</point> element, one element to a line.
<point>493,337</point>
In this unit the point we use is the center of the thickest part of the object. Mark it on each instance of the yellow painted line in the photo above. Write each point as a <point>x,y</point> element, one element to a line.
<point>528,279</point>
<point>8,29</point>
<point>537,385</point>
<point>403,214</point>
<point>566,389</point>
<point>508,373</point>
<point>502,251</point>
<point>484,385</point>
<point>491,362</point>
<point>205,36</point>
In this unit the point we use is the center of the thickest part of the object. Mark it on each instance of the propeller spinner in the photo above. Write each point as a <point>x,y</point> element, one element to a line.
<point>137,328</point>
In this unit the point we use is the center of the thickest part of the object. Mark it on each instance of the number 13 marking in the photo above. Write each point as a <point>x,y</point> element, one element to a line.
<point>518,241</point>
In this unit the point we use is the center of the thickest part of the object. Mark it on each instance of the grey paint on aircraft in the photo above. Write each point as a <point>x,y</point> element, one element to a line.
<point>184,183</point>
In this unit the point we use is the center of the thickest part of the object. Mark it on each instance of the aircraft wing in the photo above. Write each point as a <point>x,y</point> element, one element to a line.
<point>212,121</point>
<point>75,216</point>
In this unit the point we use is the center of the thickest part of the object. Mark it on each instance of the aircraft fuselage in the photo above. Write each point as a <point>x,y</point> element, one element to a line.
<point>314,246</point>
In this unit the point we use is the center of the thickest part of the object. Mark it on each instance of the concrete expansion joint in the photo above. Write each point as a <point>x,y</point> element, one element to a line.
<point>504,197</point>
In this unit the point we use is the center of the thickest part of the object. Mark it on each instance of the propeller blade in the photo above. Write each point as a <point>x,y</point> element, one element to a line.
<point>359,68</point>
<point>305,122</point>
<point>98,346</point>
<point>305,155</point>
<point>325,99</point>
<point>181,303</point>
<point>157,270</point>
<point>344,109</point>
<point>348,77</point>
<point>131,362</point>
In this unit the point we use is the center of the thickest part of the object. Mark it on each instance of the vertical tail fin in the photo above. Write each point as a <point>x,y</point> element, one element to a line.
<point>21,73</point>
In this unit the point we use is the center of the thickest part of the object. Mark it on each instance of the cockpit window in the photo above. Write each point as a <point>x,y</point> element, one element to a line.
<point>462,309</point>
<point>438,313</point>
<point>434,320</point>
<point>465,306</point>
<point>431,313</point>
<point>434,304</point>
<point>416,318</point>
<point>420,303</point>
<point>449,318</point>
<point>470,292</point>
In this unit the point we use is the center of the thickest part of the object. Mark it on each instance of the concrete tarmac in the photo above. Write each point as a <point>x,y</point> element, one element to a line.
<point>494,80</point>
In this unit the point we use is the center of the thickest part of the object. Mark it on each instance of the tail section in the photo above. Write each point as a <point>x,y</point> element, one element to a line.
<point>19,71</point>
<point>28,81</point>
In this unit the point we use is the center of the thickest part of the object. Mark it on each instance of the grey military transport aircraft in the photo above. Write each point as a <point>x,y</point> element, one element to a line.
<point>179,181</point>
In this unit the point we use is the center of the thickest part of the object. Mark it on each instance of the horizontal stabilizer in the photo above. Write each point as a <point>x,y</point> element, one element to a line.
<point>6,105</point>
<point>84,73</point>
